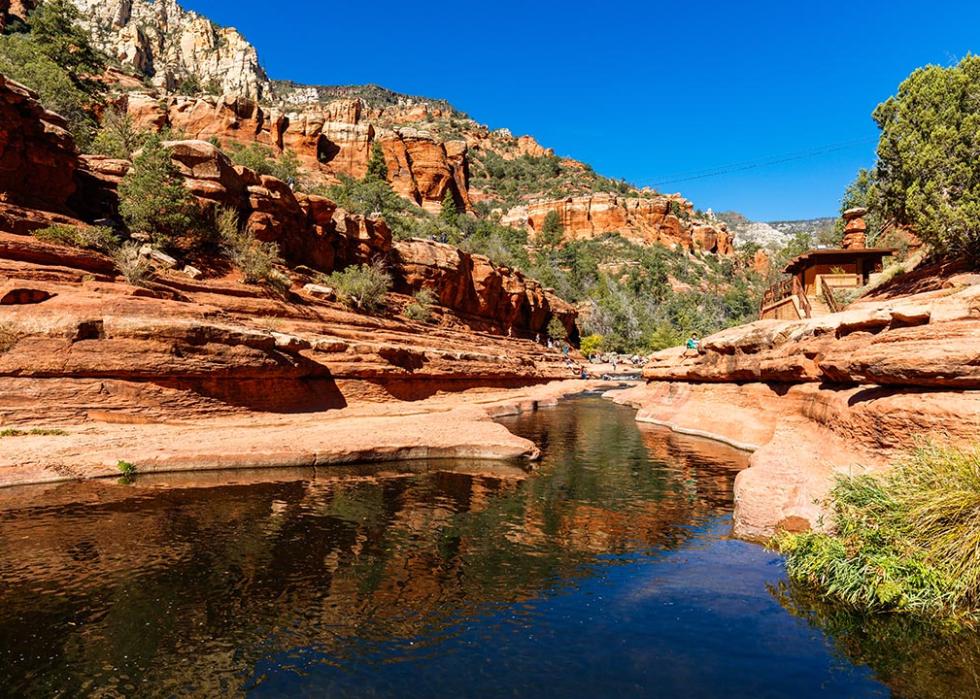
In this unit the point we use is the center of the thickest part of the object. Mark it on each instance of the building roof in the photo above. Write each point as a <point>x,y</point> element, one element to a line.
<point>812,257</point>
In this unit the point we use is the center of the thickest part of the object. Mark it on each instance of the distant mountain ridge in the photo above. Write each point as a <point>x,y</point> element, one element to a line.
<point>775,234</point>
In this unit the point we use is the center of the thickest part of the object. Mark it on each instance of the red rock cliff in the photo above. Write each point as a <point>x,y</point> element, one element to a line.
<point>643,219</point>
<point>842,393</point>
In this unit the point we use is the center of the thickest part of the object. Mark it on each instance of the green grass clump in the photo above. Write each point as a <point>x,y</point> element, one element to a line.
<point>907,541</point>
<point>98,238</point>
<point>127,469</point>
<point>34,432</point>
<point>419,308</point>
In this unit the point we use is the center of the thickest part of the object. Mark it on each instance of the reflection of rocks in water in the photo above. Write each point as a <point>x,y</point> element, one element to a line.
<point>195,581</point>
<point>916,659</point>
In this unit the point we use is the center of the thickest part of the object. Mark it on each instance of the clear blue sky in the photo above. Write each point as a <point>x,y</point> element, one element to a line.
<point>648,91</point>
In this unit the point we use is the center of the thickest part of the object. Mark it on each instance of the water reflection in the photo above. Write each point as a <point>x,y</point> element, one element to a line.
<point>182,589</point>
<point>916,660</point>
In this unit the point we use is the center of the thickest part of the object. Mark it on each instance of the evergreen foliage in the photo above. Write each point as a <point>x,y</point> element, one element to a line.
<point>928,173</point>
<point>263,161</point>
<point>118,136</point>
<point>448,213</point>
<point>153,198</point>
<point>552,230</point>
<point>377,169</point>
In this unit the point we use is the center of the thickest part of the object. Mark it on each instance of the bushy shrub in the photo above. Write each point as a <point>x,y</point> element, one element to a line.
<point>419,308</point>
<point>153,198</point>
<point>118,136</point>
<point>91,237</point>
<point>591,344</point>
<point>256,260</point>
<point>361,287</point>
<point>905,541</point>
<point>134,267</point>
<point>264,161</point>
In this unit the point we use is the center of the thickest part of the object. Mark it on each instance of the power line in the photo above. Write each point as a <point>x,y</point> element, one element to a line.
<point>775,160</point>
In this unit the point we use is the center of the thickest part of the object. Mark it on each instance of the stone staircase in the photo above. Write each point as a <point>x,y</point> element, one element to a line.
<point>818,307</point>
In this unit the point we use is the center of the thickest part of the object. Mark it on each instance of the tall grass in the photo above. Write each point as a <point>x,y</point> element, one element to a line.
<point>905,541</point>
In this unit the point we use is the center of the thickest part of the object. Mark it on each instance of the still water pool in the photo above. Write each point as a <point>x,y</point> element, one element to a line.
<point>606,570</point>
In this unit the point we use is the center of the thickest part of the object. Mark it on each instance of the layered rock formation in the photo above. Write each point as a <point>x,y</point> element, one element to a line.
<point>843,393</point>
<point>329,140</point>
<point>644,219</point>
<point>475,287</point>
<point>77,343</point>
<point>174,47</point>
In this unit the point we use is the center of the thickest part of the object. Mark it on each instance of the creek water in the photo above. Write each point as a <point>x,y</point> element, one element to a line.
<point>606,569</point>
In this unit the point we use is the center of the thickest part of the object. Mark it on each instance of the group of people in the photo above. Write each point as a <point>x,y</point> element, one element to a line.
<point>692,346</point>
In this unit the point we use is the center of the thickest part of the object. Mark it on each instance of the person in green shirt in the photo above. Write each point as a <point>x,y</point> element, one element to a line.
<point>693,343</point>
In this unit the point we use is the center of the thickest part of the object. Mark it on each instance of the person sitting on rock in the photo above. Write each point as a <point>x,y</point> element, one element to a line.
<point>693,344</point>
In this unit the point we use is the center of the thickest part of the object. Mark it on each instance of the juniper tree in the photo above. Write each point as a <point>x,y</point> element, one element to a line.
<point>377,168</point>
<point>552,231</point>
<point>928,172</point>
<point>448,212</point>
<point>153,198</point>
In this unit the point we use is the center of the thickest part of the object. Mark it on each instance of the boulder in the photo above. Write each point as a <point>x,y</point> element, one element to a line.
<point>37,154</point>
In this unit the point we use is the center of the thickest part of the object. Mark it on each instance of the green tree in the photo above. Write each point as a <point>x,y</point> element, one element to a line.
<point>21,60</point>
<point>448,213</point>
<point>552,231</point>
<point>556,329</point>
<point>153,198</point>
<point>118,136</point>
<point>56,33</point>
<point>928,172</point>
<point>377,168</point>
<point>263,161</point>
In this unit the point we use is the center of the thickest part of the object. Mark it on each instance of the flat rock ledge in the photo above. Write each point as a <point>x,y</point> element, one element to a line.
<point>445,426</point>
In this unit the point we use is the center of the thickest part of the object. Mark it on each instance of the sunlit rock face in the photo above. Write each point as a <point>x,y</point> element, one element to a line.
<point>171,45</point>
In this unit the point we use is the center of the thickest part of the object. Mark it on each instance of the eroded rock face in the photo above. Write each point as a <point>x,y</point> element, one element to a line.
<point>329,140</point>
<point>37,154</point>
<point>839,394</point>
<point>169,44</point>
<point>644,220</point>
<point>500,299</point>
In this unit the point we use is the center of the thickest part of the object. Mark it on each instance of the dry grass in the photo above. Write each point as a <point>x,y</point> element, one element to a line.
<point>8,337</point>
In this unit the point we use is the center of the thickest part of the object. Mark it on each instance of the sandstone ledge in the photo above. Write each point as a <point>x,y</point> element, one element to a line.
<point>802,436</point>
<point>445,426</point>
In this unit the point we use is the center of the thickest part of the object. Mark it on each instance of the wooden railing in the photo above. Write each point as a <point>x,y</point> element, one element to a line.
<point>777,292</point>
<point>830,299</point>
<point>787,288</point>
<point>800,294</point>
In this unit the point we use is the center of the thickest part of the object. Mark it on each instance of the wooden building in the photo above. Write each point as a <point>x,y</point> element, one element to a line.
<point>815,275</point>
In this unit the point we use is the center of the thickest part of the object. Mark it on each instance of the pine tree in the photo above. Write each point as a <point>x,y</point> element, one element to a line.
<point>118,136</point>
<point>153,198</point>
<point>448,212</point>
<point>552,231</point>
<point>55,31</point>
<point>377,168</point>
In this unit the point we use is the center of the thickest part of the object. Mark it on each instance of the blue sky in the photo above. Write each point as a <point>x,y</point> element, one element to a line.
<point>653,92</point>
